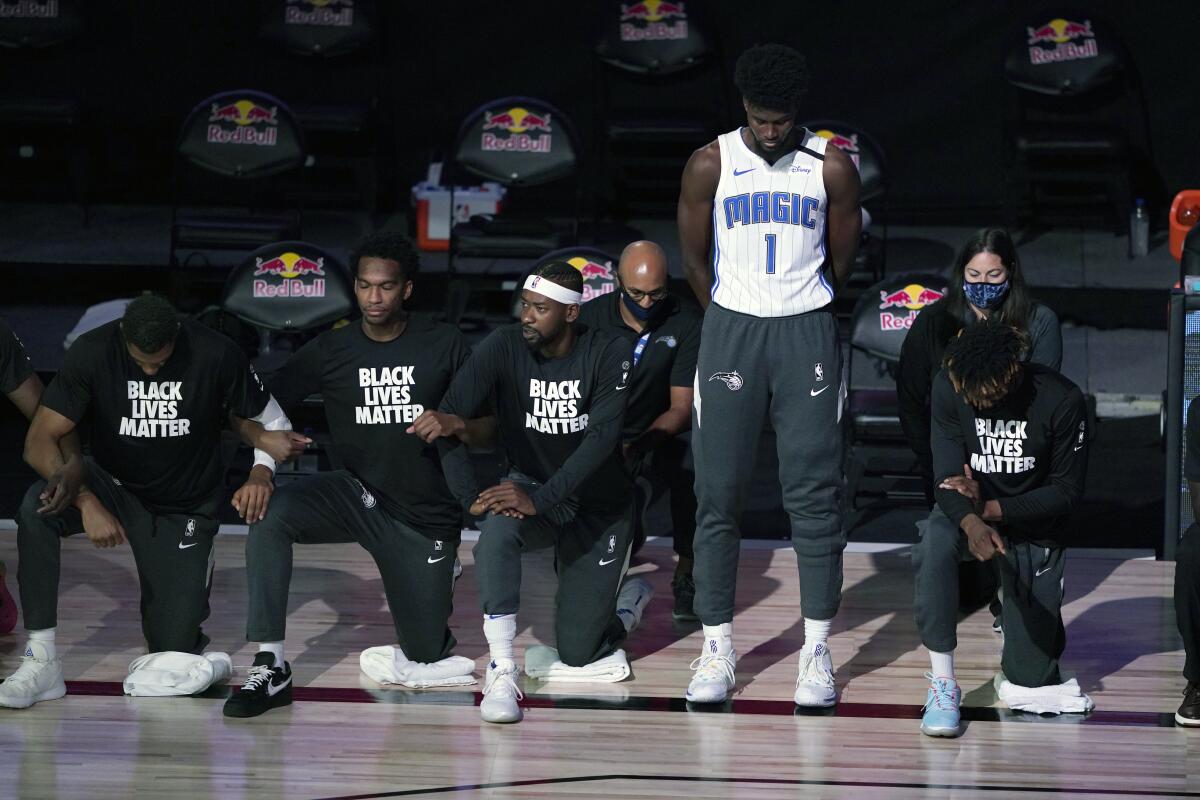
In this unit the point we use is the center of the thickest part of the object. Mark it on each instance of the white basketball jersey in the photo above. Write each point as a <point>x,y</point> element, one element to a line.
<point>769,229</point>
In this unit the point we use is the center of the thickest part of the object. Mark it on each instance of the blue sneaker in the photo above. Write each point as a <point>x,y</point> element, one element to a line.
<point>941,716</point>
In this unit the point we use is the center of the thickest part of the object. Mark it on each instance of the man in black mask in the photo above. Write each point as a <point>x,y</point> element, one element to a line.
<point>663,338</point>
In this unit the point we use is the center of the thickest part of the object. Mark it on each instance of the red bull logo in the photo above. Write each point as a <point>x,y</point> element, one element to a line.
<point>1057,41</point>
<point>29,9</point>
<point>293,268</point>
<point>598,278</point>
<point>333,13</point>
<point>514,129</point>
<point>847,144</point>
<point>651,20</point>
<point>251,124</point>
<point>912,298</point>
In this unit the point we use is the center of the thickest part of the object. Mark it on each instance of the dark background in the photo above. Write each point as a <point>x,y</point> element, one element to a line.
<point>925,78</point>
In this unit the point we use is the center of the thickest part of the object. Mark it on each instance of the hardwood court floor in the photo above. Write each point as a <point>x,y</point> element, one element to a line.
<point>347,737</point>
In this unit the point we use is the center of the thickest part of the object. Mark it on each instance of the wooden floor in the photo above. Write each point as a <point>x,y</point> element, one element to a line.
<point>346,737</point>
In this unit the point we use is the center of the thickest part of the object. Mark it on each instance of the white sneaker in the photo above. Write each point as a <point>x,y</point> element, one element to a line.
<point>39,678</point>
<point>635,594</point>
<point>814,686</point>
<point>714,678</point>
<point>500,693</point>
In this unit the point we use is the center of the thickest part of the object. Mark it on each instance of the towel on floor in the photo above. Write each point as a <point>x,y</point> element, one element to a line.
<point>171,674</point>
<point>1064,698</point>
<point>388,664</point>
<point>542,662</point>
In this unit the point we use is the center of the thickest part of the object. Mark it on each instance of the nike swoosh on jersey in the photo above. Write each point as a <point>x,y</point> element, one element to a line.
<point>737,174</point>
<point>815,392</point>
<point>433,560</point>
<point>183,546</point>
<point>604,563</point>
<point>1041,572</point>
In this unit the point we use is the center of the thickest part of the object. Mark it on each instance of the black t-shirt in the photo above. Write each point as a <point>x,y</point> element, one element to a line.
<point>373,391</point>
<point>159,434</point>
<point>15,368</point>
<point>1029,451</point>
<point>668,358</point>
<point>560,419</point>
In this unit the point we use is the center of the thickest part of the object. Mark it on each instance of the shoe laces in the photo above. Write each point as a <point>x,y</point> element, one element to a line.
<point>813,670</point>
<point>943,692</point>
<point>259,675</point>
<point>713,668</point>
<point>27,672</point>
<point>503,685</point>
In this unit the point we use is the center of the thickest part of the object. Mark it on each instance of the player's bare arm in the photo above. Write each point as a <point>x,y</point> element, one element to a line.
<point>694,217</point>
<point>843,215</point>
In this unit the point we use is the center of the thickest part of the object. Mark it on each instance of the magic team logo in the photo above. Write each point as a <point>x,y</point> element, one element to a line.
<point>517,129</point>
<point>731,379</point>
<point>289,275</point>
<point>243,122</point>
<point>911,298</point>
<point>653,21</point>
<point>331,13</point>
<point>1062,40</point>
<point>848,144</point>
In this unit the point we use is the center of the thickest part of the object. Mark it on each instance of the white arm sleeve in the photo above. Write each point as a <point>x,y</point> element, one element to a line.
<point>272,418</point>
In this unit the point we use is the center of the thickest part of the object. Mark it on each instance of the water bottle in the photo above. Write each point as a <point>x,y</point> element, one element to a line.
<point>1139,229</point>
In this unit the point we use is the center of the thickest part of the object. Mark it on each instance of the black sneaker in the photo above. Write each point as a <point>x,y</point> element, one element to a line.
<point>684,589</point>
<point>267,687</point>
<point>1189,713</point>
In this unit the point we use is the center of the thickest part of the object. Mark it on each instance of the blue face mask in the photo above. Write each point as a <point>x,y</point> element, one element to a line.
<point>985,296</point>
<point>639,313</point>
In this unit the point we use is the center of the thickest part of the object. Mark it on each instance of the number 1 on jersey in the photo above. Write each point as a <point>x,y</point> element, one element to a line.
<point>770,237</point>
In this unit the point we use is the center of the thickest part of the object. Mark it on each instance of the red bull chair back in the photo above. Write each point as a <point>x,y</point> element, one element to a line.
<point>289,286</point>
<point>312,28</point>
<point>661,92</point>
<point>40,23</point>
<point>878,460</point>
<point>599,270</point>
<point>1077,124</point>
<point>519,142</point>
<point>242,134</point>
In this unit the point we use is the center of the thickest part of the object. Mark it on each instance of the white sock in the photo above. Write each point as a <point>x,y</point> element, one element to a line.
<point>46,638</point>
<point>274,648</point>
<point>816,631</point>
<point>718,639</point>
<point>500,630</point>
<point>943,664</point>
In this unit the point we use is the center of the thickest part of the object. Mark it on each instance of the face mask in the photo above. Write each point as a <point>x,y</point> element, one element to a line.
<point>985,296</point>
<point>639,313</point>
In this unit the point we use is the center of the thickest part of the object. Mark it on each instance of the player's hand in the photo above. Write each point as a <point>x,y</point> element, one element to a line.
<point>966,485</point>
<point>508,499</point>
<point>62,488</point>
<point>983,540</point>
<point>252,498</point>
<point>282,445</point>
<point>99,524</point>
<point>432,425</point>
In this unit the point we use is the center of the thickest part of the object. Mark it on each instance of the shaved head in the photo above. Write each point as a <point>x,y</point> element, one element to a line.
<point>643,267</point>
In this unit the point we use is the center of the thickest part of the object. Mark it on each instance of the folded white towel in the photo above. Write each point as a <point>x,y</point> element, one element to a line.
<point>542,662</point>
<point>388,664</point>
<point>1063,698</point>
<point>171,674</point>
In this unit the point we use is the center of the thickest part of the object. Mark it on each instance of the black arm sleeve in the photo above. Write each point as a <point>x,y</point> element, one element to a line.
<point>605,418</point>
<point>949,454</point>
<point>1068,467</point>
<point>244,393</point>
<point>914,382</point>
<point>300,376</point>
<point>467,396</point>
<point>70,393</point>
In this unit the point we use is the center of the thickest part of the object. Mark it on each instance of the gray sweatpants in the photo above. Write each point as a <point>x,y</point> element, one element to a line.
<point>591,550</point>
<point>172,552</point>
<point>334,508</point>
<point>1031,579</point>
<point>788,370</point>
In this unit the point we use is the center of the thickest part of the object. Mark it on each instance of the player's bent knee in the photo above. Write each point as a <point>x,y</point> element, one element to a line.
<point>30,503</point>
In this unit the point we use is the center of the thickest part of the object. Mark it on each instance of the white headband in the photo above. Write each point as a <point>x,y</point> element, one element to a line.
<point>536,283</point>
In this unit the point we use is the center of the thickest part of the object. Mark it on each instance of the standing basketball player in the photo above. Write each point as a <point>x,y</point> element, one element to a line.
<point>778,211</point>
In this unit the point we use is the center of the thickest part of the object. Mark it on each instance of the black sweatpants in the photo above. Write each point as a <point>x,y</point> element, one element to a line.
<point>591,550</point>
<point>788,369</point>
<point>333,507</point>
<point>665,471</point>
<point>1187,599</point>
<point>1031,577</point>
<point>173,554</point>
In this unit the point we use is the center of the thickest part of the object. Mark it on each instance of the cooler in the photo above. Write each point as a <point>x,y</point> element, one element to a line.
<point>433,209</point>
